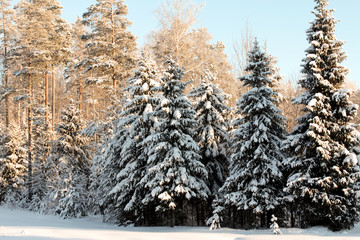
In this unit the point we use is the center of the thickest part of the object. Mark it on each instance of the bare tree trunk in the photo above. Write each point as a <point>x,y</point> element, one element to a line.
<point>113,43</point>
<point>19,115</point>
<point>7,117</point>
<point>80,95</point>
<point>241,50</point>
<point>53,100</point>
<point>29,135</point>
<point>46,97</point>
<point>7,102</point>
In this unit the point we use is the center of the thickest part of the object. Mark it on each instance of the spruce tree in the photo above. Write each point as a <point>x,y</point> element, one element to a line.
<point>176,178</point>
<point>68,167</point>
<point>41,151</point>
<point>13,165</point>
<point>212,132</point>
<point>323,168</point>
<point>255,178</point>
<point>131,155</point>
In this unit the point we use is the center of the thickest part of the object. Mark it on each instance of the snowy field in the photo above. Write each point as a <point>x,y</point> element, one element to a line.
<point>25,225</point>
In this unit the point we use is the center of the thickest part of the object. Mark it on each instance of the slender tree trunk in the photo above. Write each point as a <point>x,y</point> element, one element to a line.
<point>7,102</point>
<point>53,100</point>
<point>46,97</point>
<point>172,218</point>
<point>19,115</point>
<point>113,46</point>
<point>29,134</point>
<point>80,95</point>
<point>7,117</point>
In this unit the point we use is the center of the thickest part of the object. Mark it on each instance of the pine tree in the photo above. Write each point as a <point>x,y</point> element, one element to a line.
<point>68,167</point>
<point>212,131</point>
<point>73,71</point>
<point>7,30</point>
<point>31,54</point>
<point>41,30</point>
<point>323,167</point>
<point>255,177</point>
<point>176,178</point>
<point>60,48</point>
<point>13,166</point>
<point>110,50</point>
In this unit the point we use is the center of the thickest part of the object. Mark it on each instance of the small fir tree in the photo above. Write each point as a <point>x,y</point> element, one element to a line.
<point>255,177</point>
<point>323,168</point>
<point>68,167</point>
<point>274,226</point>
<point>13,166</point>
<point>41,152</point>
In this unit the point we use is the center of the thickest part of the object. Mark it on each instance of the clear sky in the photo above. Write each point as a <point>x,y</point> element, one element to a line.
<point>281,23</point>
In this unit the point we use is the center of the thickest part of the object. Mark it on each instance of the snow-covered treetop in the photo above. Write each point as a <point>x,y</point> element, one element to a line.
<point>145,78</point>
<point>321,65</point>
<point>258,67</point>
<point>141,92</point>
<point>172,77</point>
<point>118,11</point>
<point>110,47</point>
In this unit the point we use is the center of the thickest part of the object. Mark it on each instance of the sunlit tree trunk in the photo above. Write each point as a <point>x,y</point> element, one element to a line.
<point>53,99</point>
<point>46,97</point>
<point>29,112</point>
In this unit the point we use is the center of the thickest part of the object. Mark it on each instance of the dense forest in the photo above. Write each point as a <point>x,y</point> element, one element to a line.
<point>170,133</point>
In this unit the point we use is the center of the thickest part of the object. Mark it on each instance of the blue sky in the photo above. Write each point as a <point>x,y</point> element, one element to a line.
<point>281,23</point>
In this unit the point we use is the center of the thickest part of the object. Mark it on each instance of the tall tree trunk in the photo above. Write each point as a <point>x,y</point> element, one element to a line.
<point>46,97</point>
<point>29,135</point>
<point>7,102</point>
<point>80,95</point>
<point>53,100</point>
<point>7,117</point>
<point>113,46</point>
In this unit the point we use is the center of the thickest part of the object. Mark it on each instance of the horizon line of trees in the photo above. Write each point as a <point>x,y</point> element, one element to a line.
<point>153,137</point>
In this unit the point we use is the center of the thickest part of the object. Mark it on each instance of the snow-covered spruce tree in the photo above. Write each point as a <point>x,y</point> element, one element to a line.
<point>131,155</point>
<point>255,179</point>
<point>176,179</point>
<point>323,168</point>
<point>13,166</point>
<point>41,152</point>
<point>104,174</point>
<point>68,167</point>
<point>212,132</point>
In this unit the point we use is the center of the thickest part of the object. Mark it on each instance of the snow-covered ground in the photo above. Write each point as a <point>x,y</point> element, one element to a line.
<point>25,225</point>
